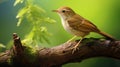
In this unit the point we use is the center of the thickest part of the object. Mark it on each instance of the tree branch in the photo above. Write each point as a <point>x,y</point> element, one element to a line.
<point>62,54</point>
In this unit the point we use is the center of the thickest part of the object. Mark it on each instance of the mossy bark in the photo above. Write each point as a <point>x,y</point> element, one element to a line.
<point>22,56</point>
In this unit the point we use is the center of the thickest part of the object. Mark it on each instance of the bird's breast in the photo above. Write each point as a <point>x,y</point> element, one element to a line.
<point>71,30</point>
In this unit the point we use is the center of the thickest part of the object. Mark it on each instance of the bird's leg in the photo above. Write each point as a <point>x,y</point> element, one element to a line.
<point>71,39</point>
<point>77,45</point>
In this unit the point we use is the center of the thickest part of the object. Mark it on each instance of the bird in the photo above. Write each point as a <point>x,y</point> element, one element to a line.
<point>78,25</point>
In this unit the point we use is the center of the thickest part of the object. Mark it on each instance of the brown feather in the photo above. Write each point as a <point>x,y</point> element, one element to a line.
<point>80,24</point>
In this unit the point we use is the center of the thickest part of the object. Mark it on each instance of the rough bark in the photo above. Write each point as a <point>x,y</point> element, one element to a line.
<point>59,55</point>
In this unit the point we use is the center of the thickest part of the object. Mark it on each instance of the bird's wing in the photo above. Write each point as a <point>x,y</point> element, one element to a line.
<point>80,24</point>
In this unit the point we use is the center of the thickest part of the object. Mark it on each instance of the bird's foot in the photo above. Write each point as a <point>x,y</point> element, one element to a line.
<point>76,47</point>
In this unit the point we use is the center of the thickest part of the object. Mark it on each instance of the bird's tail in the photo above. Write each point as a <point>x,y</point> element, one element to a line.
<point>107,35</point>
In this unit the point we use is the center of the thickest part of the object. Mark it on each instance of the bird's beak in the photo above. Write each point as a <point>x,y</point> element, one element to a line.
<point>54,10</point>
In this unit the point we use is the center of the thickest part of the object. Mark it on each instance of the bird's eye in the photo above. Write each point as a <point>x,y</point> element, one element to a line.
<point>63,11</point>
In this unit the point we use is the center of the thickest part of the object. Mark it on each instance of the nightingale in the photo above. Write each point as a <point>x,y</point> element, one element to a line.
<point>77,25</point>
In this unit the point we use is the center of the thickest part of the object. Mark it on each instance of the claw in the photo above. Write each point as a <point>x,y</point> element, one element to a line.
<point>76,47</point>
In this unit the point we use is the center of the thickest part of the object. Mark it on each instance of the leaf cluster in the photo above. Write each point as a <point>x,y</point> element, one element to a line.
<point>36,16</point>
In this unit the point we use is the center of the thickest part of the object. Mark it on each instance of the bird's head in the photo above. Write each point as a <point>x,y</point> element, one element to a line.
<point>65,12</point>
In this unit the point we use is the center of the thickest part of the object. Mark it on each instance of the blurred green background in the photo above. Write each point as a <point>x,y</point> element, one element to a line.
<point>103,13</point>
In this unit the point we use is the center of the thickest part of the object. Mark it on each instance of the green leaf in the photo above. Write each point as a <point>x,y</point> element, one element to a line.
<point>36,12</point>
<point>2,46</point>
<point>19,21</point>
<point>49,20</point>
<point>21,14</point>
<point>18,1</point>
<point>43,29</point>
